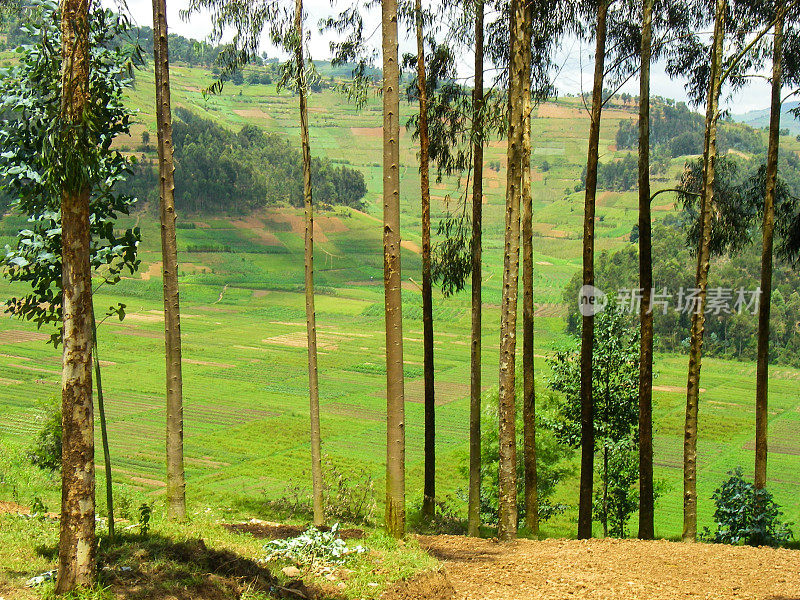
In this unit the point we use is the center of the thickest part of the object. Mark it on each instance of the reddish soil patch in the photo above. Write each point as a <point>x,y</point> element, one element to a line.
<point>279,531</point>
<point>413,246</point>
<point>11,507</point>
<point>549,310</point>
<point>371,132</point>
<point>154,270</point>
<point>675,389</point>
<point>253,113</point>
<point>297,222</point>
<point>549,110</point>
<point>433,585</point>
<point>17,337</point>
<point>206,363</point>
<point>613,569</point>
<point>257,226</point>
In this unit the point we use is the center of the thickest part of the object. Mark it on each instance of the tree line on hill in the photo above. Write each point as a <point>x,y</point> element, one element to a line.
<point>72,114</point>
<point>729,335</point>
<point>221,171</point>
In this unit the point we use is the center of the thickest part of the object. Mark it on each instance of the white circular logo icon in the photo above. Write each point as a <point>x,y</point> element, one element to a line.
<point>591,301</point>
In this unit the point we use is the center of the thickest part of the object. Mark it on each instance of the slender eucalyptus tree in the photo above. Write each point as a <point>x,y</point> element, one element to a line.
<point>646,498</point>
<point>77,545</point>
<point>429,490</point>
<point>473,509</point>
<point>768,229</point>
<point>103,431</point>
<point>395,408</point>
<point>745,37</point>
<point>51,162</point>
<point>703,256</point>
<point>587,331</point>
<point>528,384</point>
<point>248,23</point>
<point>176,481</point>
<point>507,523</point>
<point>311,319</point>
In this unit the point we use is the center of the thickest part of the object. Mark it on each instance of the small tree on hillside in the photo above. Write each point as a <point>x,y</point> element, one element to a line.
<point>615,394</point>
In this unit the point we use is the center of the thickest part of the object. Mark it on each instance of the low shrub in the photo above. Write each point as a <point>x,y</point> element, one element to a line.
<point>746,515</point>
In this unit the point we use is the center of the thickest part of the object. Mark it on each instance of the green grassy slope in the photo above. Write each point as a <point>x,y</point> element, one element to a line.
<point>244,334</point>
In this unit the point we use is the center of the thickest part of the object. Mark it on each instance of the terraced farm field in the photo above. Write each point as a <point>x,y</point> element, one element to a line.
<point>243,324</point>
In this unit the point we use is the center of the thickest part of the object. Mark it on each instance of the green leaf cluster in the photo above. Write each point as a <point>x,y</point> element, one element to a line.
<point>41,156</point>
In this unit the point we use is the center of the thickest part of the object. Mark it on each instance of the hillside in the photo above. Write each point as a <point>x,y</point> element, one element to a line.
<point>245,373</point>
<point>760,118</point>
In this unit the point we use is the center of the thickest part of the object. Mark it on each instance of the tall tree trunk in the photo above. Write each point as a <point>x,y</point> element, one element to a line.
<point>529,392</point>
<point>176,482</point>
<point>701,282</point>
<point>76,547</point>
<point>395,409</point>
<point>762,367</point>
<point>311,318</point>
<point>101,408</point>
<point>474,509</point>
<point>507,522</point>
<point>605,491</point>
<point>587,332</point>
<point>429,492</point>
<point>646,498</point>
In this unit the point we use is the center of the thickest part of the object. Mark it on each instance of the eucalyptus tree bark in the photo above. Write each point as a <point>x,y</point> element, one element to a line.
<point>101,408</point>
<point>587,332</point>
<point>529,392</point>
<point>474,508</point>
<point>507,522</point>
<point>646,498</point>
<point>311,318</point>
<point>77,544</point>
<point>395,409</point>
<point>429,491</point>
<point>176,482</point>
<point>762,365</point>
<point>701,281</point>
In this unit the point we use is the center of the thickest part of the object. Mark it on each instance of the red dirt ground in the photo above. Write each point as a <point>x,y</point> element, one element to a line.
<point>614,569</point>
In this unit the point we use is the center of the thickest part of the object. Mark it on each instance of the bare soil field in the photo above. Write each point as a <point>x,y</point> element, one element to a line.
<point>613,569</point>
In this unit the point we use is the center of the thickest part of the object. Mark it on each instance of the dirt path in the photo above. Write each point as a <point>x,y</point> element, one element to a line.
<point>614,569</point>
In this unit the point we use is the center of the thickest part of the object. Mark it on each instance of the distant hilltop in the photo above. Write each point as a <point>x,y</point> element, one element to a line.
<point>759,119</point>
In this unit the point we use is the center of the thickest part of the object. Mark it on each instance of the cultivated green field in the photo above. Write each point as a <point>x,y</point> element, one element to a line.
<point>244,334</point>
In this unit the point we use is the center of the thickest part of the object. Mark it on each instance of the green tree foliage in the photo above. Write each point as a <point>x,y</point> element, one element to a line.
<point>667,124</point>
<point>45,452</point>
<point>617,175</point>
<point>736,204</point>
<point>729,335</point>
<point>32,171</point>
<point>618,497</point>
<point>223,171</point>
<point>615,393</point>
<point>615,380</point>
<point>745,515</point>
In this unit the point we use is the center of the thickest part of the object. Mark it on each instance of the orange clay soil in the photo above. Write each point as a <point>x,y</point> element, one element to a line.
<point>614,569</point>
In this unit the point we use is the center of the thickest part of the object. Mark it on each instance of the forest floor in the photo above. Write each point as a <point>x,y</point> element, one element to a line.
<point>609,569</point>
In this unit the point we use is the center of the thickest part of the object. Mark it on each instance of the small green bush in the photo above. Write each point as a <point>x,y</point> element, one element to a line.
<point>745,515</point>
<point>46,450</point>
